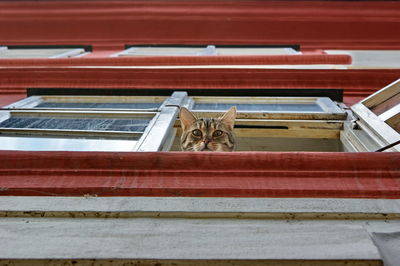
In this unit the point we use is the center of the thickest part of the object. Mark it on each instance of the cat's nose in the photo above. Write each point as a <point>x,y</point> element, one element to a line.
<point>206,141</point>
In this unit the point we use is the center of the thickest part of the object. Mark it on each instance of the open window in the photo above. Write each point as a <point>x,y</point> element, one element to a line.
<point>14,52</point>
<point>379,115</point>
<point>277,123</point>
<point>256,50</point>
<point>168,51</point>
<point>89,123</point>
<point>151,123</point>
<point>215,50</point>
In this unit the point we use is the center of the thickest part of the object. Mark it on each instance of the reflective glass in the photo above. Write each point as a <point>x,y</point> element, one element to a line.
<point>152,106</point>
<point>95,124</point>
<point>63,144</point>
<point>278,107</point>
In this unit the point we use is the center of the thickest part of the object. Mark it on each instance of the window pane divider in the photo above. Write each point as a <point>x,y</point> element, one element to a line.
<point>390,113</point>
<point>80,113</point>
<point>156,134</point>
<point>69,132</point>
<point>80,110</point>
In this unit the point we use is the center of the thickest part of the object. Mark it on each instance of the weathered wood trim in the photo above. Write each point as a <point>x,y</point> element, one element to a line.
<point>382,95</point>
<point>379,128</point>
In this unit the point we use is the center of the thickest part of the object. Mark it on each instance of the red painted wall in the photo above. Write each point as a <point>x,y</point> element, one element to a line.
<point>252,174</point>
<point>112,24</point>
<point>357,84</point>
<point>109,25</point>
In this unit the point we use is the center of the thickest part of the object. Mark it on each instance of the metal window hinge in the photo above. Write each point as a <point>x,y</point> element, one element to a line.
<point>354,124</point>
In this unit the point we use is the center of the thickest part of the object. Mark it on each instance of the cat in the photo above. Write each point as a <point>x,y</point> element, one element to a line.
<point>207,134</point>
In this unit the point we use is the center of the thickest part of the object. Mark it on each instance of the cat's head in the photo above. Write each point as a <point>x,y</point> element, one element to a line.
<point>207,134</point>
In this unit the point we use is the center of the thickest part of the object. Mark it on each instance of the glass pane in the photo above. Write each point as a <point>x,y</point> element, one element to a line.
<point>92,124</point>
<point>275,107</point>
<point>152,106</point>
<point>164,51</point>
<point>63,144</point>
<point>39,53</point>
<point>255,51</point>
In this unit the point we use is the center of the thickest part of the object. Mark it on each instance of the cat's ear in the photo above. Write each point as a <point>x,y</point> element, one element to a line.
<point>186,117</point>
<point>229,117</point>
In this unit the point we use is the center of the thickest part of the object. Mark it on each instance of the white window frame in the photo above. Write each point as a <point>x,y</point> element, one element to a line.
<point>31,102</point>
<point>332,123</point>
<point>154,138</point>
<point>329,109</point>
<point>168,51</point>
<point>287,124</point>
<point>380,131</point>
<point>69,52</point>
<point>206,50</point>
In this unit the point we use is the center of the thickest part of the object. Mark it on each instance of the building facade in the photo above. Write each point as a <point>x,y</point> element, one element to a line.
<point>91,169</point>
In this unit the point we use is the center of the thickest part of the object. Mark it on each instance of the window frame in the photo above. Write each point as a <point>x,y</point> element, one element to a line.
<point>29,103</point>
<point>333,123</point>
<point>211,50</point>
<point>329,109</point>
<point>71,51</point>
<point>382,132</point>
<point>161,122</point>
<point>166,51</point>
<point>292,124</point>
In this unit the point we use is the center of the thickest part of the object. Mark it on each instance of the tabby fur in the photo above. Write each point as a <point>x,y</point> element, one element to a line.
<point>208,134</point>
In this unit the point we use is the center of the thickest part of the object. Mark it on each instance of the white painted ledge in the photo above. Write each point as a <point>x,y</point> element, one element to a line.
<point>184,239</point>
<point>193,231</point>
<point>186,207</point>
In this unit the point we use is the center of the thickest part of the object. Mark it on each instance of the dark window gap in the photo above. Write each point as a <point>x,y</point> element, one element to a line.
<point>258,126</point>
<point>333,94</point>
<point>87,48</point>
<point>293,46</point>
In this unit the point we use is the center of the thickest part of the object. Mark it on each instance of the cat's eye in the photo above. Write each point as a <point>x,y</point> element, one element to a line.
<point>196,133</point>
<point>217,133</point>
